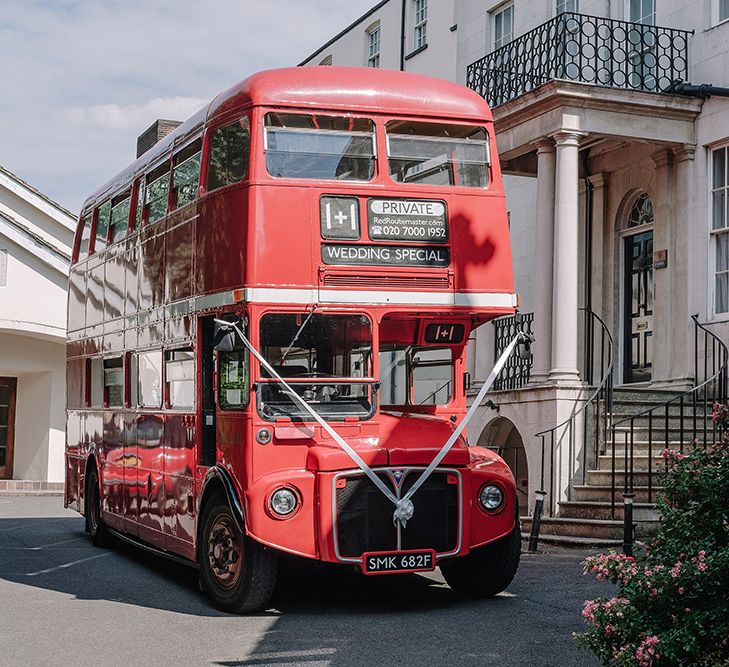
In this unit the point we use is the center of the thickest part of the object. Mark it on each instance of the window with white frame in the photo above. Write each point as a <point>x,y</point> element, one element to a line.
<point>722,10</point>
<point>643,11</point>
<point>373,46</point>
<point>503,26</point>
<point>720,227</point>
<point>421,17</point>
<point>567,6</point>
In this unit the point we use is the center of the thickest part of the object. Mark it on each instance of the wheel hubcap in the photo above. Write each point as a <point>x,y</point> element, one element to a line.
<point>225,552</point>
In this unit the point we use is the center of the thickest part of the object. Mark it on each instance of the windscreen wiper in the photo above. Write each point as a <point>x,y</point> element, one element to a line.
<point>298,333</point>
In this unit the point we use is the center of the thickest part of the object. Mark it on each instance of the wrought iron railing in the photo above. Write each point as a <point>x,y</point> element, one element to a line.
<point>559,458</point>
<point>669,425</point>
<point>515,373</point>
<point>588,49</point>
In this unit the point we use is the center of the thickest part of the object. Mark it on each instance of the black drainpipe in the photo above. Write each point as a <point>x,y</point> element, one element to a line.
<point>402,37</point>
<point>703,90</point>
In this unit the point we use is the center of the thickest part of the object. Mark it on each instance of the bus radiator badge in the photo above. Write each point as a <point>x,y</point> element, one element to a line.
<point>398,476</point>
<point>404,511</point>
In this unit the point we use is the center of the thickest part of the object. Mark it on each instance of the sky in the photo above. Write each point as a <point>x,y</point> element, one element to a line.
<point>81,80</point>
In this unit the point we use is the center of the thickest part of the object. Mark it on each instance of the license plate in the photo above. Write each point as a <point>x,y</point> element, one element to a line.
<point>388,562</point>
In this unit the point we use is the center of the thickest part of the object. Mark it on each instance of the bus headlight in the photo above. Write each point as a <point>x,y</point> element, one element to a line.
<point>283,502</point>
<point>491,497</point>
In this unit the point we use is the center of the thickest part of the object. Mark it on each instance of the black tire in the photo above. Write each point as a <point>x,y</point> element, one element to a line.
<point>95,526</point>
<point>236,572</point>
<point>485,571</point>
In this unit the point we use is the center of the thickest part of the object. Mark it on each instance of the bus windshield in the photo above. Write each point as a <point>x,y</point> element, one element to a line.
<point>319,147</point>
<point>326,359</point>
<point>438,154</point>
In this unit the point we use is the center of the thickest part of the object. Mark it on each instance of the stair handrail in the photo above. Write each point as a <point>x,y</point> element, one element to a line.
<point>721,375</point>
<point>603,389</point>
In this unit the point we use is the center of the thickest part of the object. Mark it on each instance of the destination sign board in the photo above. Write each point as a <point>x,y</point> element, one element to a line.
<point>385,255</point>
<point>414,220</point>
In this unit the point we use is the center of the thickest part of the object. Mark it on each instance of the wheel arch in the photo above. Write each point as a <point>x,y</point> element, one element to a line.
<point>218,480</point>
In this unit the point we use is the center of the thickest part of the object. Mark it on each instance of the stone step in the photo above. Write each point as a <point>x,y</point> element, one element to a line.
<point>29,492</point>
<point>600,509</point>
<point>574,542</point>
<point>640,461</point>
<point>602,493</point>
<point>595,528</point>
<point>659,421</point>
<point>604,477</point>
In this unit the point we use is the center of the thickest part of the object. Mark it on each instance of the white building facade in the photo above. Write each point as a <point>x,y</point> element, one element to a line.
<point>36,236</point>
<point>618,194</point>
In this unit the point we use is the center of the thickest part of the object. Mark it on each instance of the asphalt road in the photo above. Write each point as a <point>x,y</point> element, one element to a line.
<point>65,602</point>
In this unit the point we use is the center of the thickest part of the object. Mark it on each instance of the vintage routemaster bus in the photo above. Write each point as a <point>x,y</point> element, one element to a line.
<point>314,243</point>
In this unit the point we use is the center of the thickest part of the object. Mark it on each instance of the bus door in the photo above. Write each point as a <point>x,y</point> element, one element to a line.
<point>225,393</point>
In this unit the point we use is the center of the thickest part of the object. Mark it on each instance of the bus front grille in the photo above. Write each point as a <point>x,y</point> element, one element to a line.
<point>364,523</point>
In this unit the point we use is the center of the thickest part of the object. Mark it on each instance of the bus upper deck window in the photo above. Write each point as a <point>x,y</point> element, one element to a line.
<point>228,155</point>
<point>83,247</point>
<point>438,154</point>
<point>186,175</point>
<point>319,147</point>
<point>158,186</point>
<point>102,226</point>
<point>120,216</point>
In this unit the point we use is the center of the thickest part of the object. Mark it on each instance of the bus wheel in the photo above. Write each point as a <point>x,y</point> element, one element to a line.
<point>485,571</point>
<point>95,525</point>
<point>238,573</point>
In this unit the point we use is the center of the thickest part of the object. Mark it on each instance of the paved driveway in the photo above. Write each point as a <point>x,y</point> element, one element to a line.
<point>62,601</point>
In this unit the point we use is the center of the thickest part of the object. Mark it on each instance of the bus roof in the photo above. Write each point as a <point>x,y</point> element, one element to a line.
<point>366,89</point>
<point>346,89</point>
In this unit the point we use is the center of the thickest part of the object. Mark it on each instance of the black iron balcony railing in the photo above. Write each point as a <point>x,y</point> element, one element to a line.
<point>588,49</point>
<point>515,374</point>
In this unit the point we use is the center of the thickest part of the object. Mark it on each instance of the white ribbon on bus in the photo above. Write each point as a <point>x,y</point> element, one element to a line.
<point>404,508</point>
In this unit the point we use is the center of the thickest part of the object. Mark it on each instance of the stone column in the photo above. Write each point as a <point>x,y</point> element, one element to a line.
<point>663,318</point>
<point>565,274</point>
<point>681,273</point>
<point>543,261</point>
<point>599,274</point>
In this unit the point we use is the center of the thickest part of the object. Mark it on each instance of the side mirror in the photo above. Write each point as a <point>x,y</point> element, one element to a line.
<point>223,338</point>
<point>524,348</point>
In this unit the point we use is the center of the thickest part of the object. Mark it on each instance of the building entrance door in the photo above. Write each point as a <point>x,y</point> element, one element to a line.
<point>7,425</point>
<point>638,308</point>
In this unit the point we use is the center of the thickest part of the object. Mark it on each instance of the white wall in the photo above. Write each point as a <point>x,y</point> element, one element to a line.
<point>438,59</point>
<point>40,417</point>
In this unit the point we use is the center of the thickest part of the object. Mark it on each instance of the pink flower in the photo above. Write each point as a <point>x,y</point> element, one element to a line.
<point>654,592</point>
<point>702,567</point>
<point>608,630</point>
<point>680,590</point>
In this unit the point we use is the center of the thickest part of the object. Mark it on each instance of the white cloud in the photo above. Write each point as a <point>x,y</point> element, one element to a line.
<point>134,116</point>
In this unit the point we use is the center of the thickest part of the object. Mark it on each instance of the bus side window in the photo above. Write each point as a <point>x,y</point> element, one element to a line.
<point>95,376</point>
<point>228,154</point>
<point>102,226</point>
<point>119,223</point>
<point>156,192</point>
<point>139,208</point>
<point>83,248</point>
<point>113,383</point>
<point>233,378</point>
<point>186,174</point>
<point>180,378</point>
<point>149,376</point>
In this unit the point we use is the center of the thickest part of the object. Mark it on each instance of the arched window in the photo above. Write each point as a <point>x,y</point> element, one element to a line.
<point>641,213</point>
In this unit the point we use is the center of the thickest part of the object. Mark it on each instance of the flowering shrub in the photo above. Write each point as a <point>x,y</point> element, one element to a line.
<point>672,606</point>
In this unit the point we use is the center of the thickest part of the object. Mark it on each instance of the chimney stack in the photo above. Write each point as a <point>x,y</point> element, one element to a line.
<point>156,131</point>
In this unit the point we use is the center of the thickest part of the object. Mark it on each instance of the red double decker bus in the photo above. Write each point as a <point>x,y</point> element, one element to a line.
<point>268,318</point>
